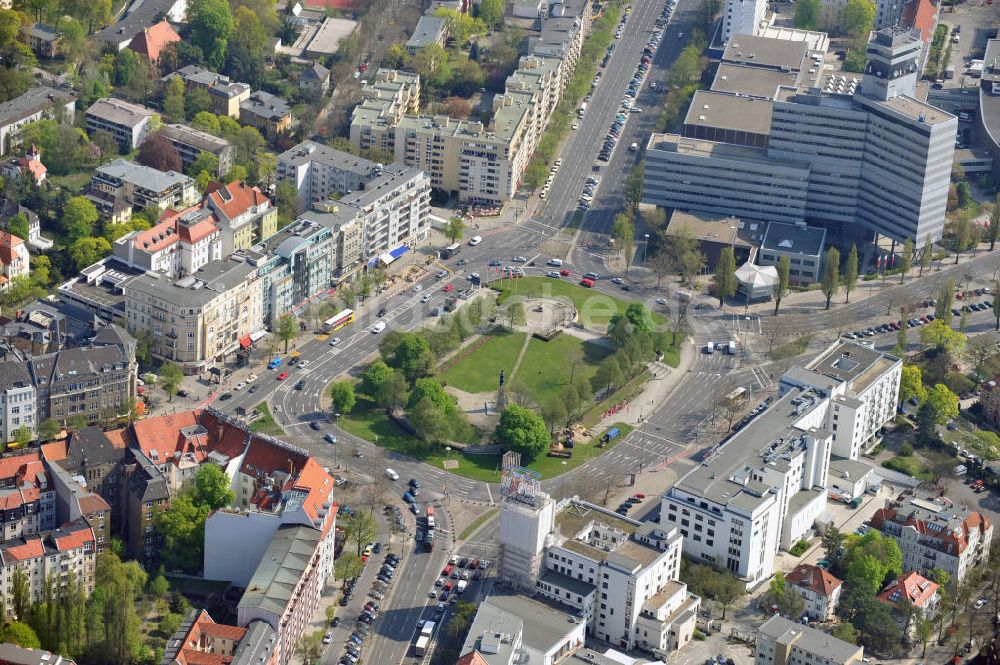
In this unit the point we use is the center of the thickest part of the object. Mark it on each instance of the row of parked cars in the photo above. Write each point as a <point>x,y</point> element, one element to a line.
<point>629,502</point>
<point>370,612</point>
<point>923,320</point>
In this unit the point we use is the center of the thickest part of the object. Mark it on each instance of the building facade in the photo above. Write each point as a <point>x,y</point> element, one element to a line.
<point>243,213</point>
<point>190,143</point>
<point>319,172</point>
<point>129,124</point>
<point>818,588</point>
<point>784,642</point>
<point>144,187</point>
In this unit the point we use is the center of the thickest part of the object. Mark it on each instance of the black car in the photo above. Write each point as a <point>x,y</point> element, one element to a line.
<point>224,396</point>
<point>382,312</point>
<point>314,425</point>
<point>414,483</point>
<point>343,601</point>
<point>183,393</point>
<point>335,622</point>
<point>376,548</point>
<point>253,388</point>
<point>300,385</point>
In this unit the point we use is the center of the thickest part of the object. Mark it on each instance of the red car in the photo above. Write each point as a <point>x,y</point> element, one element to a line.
<point>564,272</point>
<point>282,376</point>
<point>448,288</point>
<point>639,495</point>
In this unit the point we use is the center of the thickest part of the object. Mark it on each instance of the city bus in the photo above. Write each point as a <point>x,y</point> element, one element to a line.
<point>339,321</point>
<point>450,251</point>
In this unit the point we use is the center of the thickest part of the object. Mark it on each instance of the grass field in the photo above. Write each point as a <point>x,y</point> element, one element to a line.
<point>480,370</point>
<point>548,367</point>
<point>266,424</point>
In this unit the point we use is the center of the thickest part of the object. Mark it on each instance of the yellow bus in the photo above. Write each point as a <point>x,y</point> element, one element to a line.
<point>339,321</point>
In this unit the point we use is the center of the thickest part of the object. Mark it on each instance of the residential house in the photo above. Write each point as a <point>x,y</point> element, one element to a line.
<point>10,208</point>
<point>781,641</point>
<point>315,78</point>
<point>30,166</point>
<point>127,123</point>
<point>145,493</point>
<point>27,496</point>
<point>934,533</point>
<point>243,213</point>
<point>226,94</point>
<point>12,654</point>
<point>75,502</point>
<point>819,589</point>
<point>37,103</point>
<point>989,400</point>
<point>270,114</point>
<point>200,640</point>
<point>430,30</point>
<point>69,552</point>
<point>14,259</point>
<point>141,14</point>
<point>180,244</point>
<point>190,143</point>
<point>97,457</point>
<point>44,40</point>
<point>151,41</point>
<point>144,187</point>
<point>912,597</point>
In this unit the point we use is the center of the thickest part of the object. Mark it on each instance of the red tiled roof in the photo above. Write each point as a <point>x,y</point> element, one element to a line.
<point>319,484</point>
<point>195,232</point>
<point>93,503</point>
<point>223,631</point>
<point>151,41</point>
<point>29,549</point>
<point>912,585</point>
<point>163,235</point>
<point>264,458</point>
<point>164,435</point>
<point>951,542</point>
<point>202,627</point>
<point>813,578</point>
<point>192,657</point>
<point>34,167</point>
<point>119,438</point>
<point>73,540</point>
<point>55,450</point>
<point>471,658</point>
<point>236,198</point>
<point>922,15</point>
<point>8,244</point>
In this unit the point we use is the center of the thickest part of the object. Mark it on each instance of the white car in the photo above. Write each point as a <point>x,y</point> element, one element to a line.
<point>475,241</point>
<point>251,378</point>
<point>335,341</point>
<point>575,126</point>
<point>418,288</point>
<point>661,301</point>
<point>980,603</point>
<point>555,263</point>
<point>558,162</point>
<point>301,364</point>
<point>240,386</point>
<point>378,327</point>
<point>426,298</point>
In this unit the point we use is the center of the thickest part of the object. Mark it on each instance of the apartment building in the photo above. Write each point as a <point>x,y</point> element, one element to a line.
<point>243,213</point>
<point>934,533</point>
<point>911,597</point>
<point>818,588</point>
<point>199,639</point>
<point>429,30</point>
<point>784,642</point>
<point>198,320</point>
<point>144,187</point>
<point>270,114</point>
<point>44,40</point>
<point>16,655</point>
<point>390,95</point>
<point>319,172</point>
<point>35,104</point>
<point>764,486</point>
<point>226,94</point>
<point>179,245</point>
<point>28,495</point>
<point>785,140</point>
<point>190,143</point>
<point>741,17</point>
<point>347,245</point>
<point>617,574</point>
<point>129,124</point>
<point>75,502</point>
<point>62,554</point>
<point>394,209</point>
<point>17,400</point>
<point>315,79</point>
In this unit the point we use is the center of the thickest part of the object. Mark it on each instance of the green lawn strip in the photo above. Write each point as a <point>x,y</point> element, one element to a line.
<point>910,465</point>
<point>791,349</point>
<point>631,388</point>
<point>595,308</point>
<point>266,423</point>
<point>549,367</point>
<point>480,370</point>
<point>476,523</point>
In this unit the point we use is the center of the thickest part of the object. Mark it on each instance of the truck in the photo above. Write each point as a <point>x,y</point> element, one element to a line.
<point>461,586</point>
<point>421,647</point>
<point>430,517</point>
<point>731,348</point>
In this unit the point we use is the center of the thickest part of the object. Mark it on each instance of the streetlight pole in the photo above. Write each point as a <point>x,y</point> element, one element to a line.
<point>645,244</point>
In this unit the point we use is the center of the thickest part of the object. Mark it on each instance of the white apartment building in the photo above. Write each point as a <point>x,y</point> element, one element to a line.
<point>179,245</point>
<point>35,104</point>
<point>128,123</point>
<point>620,575</point>
<point>17,400</point>
<point>144,187</point>
<point>764,486</point>
<point>68,552</point>
<point>820,591</point>
<point>741,17</point>
<point>319,172</point>
<point>934,533</point>
<point>510,628</point>
<point>394,208</point>
<point>784,642</point>
<point>857,153</point>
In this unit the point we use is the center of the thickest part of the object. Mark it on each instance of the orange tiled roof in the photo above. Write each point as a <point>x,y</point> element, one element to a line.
<point>318,484</point>
<point>8,246</point>
<point>164,435</point>
<point>472,658</point>
<point>119,438</point>
<point>952,543</point>
<point>195,232</point>
<point>93,503</point>
<point>914,586</point>
<point>922,15</point>
<point>23,551</point>
<point>813,578</point>
<point>236,198</point>
<point>72,540</point>
<point>151,41</point>
<point>55,450</point>
<point>163,235</point>
<point>202,627</point>
<point>264,458</point>
<point>223,631</point>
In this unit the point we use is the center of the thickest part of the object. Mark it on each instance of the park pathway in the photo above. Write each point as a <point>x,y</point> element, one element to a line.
<point>520,357</point>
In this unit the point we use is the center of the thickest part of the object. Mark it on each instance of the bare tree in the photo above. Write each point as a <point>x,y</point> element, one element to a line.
<point>978,352</point>
<point>676,314</point>
<point>662,266</point>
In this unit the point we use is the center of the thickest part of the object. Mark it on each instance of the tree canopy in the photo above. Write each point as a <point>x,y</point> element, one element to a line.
<point>522,431</point>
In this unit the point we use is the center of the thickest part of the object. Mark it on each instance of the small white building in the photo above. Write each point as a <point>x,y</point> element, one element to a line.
<point>819,589</point>
<point>756,282</point>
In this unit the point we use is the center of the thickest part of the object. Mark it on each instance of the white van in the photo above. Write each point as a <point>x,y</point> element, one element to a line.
<point>555,263</point>
<point>710,348</point>
<point>392,475</point>
<point>378,327</point>
<point>475,241</point>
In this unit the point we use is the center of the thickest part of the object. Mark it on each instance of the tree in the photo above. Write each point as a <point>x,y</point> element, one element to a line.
<point>941,403</point>
<point>173,99</point>
<point>515,314</point>
<point>924,632</point>
<point>941,338</point>
<point>287,329</point>
<point>204,162</point>
<point>18,226</point>
<point>211,29</point>
<point>78,218</point>
<point>170,377</point>
<point>846,632</point>
<point>906,261</point>
<point>859,18</point>
<point>978,353</point>
<point>870,559</point>
<point>86,251</point>
<point>211,487</point>
<point>926,254</point>
<point>48,429</point>
<point>22,436</point>
<point>20,634</point>
<point>347,566</point>
<point>456,107</point>
<point>342,396</point>
<point>781,286</point>
<point>623,231</point>
<point>911,384</point>
<point>454,229</point>
<point>685,253</point>
<point>182,528</point>
<point>461,26</point>
<point>491,11</point>
<point>430,422</point>
<point>159,153</point>
<point>409,353</point>
<point>831,274</point>
<point>850,272</point>
<point>945,299</point>
<point>832,544</point>
<point>360,529</point>
<point>158,586</point>
<point>522,431</point>
<point>310,647</point>
<point>535,174</point>
<point>963,234</point>
<point>993,230</point>
<point>807,14</point>
<point>725,275</point>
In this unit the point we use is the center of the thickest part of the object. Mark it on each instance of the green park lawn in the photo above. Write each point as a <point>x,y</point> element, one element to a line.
<point>548,367</point>
<point>266,424</point>
<point>479,371</point>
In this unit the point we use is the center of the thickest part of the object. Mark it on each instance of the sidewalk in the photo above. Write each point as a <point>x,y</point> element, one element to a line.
<point>663,380</point>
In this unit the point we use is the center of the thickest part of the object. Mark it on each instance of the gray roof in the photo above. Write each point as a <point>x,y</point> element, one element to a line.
<point>42,31</point>
<point>148,484</point>
<point>31,102</point>
<point>722,110</point>
<point>15,655</point>
<point>767,52</point>
<point>218,84</point>
<point>567,583</point>
<point>810,640</point>
<point>74,365</point>
<point>90,446</point>
<point>429,30</point>
<point>753,81</point>
<point>142,176</point>
<point>794,239</point>
<point>142,14</point>
<point>394,176</point>
<point>257,645</point>
<point>492,633</point>
<point>315,72</point>
<point>280,569</point>
<point>543,626</point>
<point>197,289</point>
<point>848,469</point>
<point>14,375</point>
<point>311,151</point>
<point>852,363</point>
<point>265,105</point>
<point>119,112</point>
<point>195,138</point>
